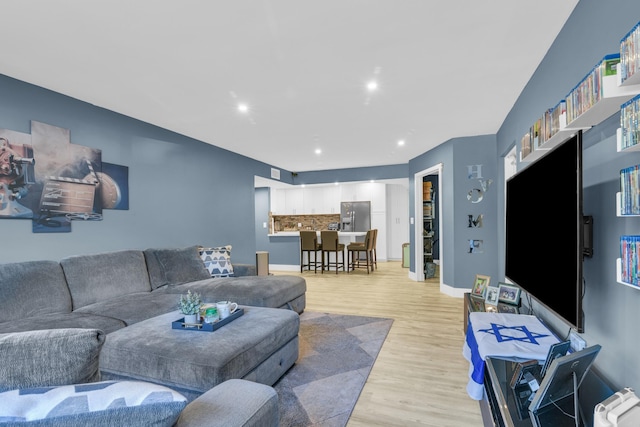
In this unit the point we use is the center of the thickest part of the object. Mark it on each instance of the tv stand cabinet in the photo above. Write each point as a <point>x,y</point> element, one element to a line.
<point>499,407</point>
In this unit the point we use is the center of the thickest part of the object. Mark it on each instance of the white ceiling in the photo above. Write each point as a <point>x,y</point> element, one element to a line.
<point>445,69</point>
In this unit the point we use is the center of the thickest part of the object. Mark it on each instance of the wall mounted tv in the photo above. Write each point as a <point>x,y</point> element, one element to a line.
<point>547,235</point>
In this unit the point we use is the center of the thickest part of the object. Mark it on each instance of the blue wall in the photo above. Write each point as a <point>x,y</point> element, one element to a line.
<point>182,191</point>
<point>459,267</point>
<point>611,310</point>
<point>353,174</point>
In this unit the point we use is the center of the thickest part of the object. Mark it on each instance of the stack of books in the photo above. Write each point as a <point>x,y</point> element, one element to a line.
<point>629,250</point>
<point>630,53</point>
<point>629,191</point>
<point>629,115</point>
<point>426,191</point>
<point>589,91</point>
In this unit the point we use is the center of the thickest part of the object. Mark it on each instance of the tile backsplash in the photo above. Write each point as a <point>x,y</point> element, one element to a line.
<point>307,222</point>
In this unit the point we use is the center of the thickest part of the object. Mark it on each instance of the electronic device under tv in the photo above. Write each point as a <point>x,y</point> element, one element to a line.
<point>547,235</point>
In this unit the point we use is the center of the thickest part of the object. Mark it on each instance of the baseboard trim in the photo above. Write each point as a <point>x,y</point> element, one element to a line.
<point>453,292</point>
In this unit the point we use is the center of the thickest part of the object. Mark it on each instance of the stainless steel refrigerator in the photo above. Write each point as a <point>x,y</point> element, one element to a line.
<point>355,216</point>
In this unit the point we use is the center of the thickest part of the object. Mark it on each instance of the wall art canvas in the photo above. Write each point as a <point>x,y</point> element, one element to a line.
<point>46,178</point>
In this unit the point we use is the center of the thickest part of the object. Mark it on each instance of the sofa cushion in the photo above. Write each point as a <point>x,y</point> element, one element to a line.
<point>133,308</point>
<point>174,266</point>
<point>49,357</point>
<point>99,277</point>
<point>32,288</point>
<point>217,261</point>
<point>107,403</point>
<point>219,407</point>
<point>260,291</point>
<point>63,321</point>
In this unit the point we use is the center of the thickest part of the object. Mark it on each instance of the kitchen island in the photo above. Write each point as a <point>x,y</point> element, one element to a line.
<point>285,245</point>
<point>345,237</point>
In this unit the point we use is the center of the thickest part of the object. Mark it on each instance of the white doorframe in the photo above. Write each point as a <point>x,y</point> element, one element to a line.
<point>419,249</point>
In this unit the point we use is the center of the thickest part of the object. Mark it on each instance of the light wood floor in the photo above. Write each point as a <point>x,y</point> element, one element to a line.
<point>420,376</point>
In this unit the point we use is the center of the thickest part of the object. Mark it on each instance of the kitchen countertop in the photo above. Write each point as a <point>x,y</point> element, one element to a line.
<point>340,233</point>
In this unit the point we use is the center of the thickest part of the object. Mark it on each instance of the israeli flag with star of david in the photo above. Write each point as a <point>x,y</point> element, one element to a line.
<point>518,337</point>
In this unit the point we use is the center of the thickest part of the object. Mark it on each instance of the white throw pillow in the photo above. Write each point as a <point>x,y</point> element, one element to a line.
<point>217,261</point>
<point>106,403</point>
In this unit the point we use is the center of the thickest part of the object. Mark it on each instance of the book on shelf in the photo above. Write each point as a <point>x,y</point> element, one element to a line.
<point>535,134</point>
<point>630,191</point>
<point>629,115</point>
<point>589,91</point>
<point>525,145</point>
<point>629,256</point>
<point>630,53</point>
<point>558,113</point>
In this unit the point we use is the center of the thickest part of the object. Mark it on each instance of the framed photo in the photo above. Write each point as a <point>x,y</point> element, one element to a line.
<point>480,286</point>
<point>507,308</point>
<point>508,293</point>
<point>477,304</point>
<point>491,296</point>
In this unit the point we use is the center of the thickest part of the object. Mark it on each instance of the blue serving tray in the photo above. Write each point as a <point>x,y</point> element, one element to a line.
<point>208,327</point>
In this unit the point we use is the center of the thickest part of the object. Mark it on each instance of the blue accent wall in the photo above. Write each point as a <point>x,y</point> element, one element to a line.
<point>611,310</point>
<point>459,267</point>
<point>182,191</point>
<point>353,174</point>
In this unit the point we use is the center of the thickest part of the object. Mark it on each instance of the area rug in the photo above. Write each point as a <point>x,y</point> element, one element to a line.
<point>336,355</point>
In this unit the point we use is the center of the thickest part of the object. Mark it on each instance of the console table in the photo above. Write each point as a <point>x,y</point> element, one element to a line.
<point>500,406</point>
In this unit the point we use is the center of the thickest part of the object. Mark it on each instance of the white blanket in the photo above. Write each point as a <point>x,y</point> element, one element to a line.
<point>508,336</point>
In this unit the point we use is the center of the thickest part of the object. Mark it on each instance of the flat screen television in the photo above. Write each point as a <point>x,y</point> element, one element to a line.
<point>547,234</point>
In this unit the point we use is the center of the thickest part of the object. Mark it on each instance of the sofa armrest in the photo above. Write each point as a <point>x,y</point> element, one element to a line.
<point>244,270</point>
<point>233,403</point>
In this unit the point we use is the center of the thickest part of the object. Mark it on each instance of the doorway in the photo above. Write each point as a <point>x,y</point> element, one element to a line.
<point>428,224</point>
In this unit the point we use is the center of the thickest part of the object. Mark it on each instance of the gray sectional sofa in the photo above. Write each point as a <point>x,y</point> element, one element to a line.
<point>112,291</point>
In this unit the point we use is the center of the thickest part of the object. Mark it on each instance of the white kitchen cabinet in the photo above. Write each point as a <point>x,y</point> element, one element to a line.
<point>312,200</point>
<point>331,199</point>
<point>278,197</point>
<point>397,220</point>
<point>295,201</point>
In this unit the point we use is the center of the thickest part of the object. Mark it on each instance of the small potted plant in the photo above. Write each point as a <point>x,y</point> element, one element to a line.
<point>190,306</point>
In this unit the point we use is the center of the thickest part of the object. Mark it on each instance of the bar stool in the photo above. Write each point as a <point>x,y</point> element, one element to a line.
<point>309,245</point>
<point>374,253</point>
<point>354,249</point>
<point>330,244</point>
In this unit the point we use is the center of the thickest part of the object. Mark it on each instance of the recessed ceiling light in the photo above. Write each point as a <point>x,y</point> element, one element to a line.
<point>243,108</point>
<point>372,86</point>
<point>318,151</point>
<point>400,142</point>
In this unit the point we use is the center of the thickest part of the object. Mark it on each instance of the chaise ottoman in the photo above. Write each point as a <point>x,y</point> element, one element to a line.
<point>259,346</point>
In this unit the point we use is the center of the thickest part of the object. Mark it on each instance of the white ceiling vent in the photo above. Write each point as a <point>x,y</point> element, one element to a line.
<point>275,173</point>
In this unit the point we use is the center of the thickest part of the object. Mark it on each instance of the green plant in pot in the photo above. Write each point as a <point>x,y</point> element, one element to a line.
<point>190,306</point>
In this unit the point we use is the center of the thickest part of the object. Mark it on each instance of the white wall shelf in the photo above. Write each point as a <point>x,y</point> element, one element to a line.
<point>619,206</point>
<point>619,143</point>
<point>613,96</point>
<point>633,80</point>
<point>559,137</point>
<point>534,155</point>
<point>619,275</point>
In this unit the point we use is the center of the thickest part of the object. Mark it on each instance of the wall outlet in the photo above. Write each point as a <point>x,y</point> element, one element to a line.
<point>577,342</point>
